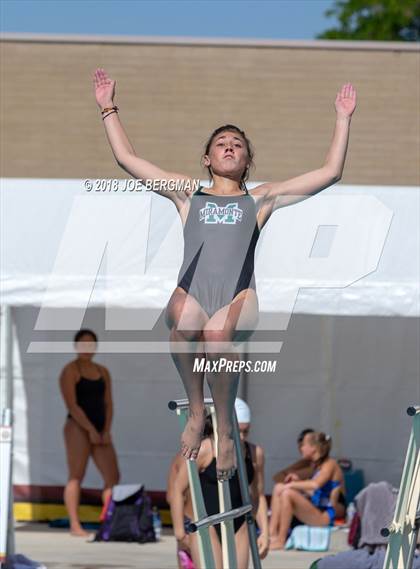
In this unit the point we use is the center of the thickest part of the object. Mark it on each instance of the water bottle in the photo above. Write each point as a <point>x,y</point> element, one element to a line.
<point>157,523</point>
<point>351,510</point>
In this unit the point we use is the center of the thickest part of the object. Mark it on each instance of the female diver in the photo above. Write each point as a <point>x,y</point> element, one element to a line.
<point>215,305</point>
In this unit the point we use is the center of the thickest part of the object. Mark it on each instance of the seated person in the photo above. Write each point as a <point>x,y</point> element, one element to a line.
<point>310,501</point>
<point>174,468</point>
<point>303,469</point>
<point>177,464</point>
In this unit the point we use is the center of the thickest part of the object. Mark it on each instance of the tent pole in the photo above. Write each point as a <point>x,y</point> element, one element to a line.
<point>9,357</point>
<point>7,542</point>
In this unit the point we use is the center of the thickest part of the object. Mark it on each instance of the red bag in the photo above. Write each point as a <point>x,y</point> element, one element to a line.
<point>355,531</point>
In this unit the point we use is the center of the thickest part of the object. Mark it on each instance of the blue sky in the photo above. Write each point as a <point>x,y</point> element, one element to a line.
<point>277,19</point>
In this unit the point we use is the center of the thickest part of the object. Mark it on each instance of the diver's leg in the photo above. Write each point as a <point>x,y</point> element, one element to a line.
<point>219,334</point>
<point>186,319</point>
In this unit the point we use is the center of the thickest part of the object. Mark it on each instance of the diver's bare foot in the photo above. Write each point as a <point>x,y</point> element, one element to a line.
<point>193,434</point>
<point>226,457</point>
<point>79,532</point>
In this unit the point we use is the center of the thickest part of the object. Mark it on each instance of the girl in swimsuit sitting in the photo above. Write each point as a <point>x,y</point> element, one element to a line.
<point>311,501</point>
<point>215,304</point>
<point>86,390</point>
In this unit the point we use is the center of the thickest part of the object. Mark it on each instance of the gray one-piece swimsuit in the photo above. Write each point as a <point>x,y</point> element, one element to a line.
<point>220,236</point>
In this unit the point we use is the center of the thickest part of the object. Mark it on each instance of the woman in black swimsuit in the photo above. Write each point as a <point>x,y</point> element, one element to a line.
<point>215,304</point>
<point>86,390</point>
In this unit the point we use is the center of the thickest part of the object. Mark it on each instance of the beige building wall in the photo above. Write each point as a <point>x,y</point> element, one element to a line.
<point>173,92</point>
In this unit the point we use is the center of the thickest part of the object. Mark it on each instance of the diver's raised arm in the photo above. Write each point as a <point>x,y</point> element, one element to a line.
<point>121,147</point>
<point>287,192</point>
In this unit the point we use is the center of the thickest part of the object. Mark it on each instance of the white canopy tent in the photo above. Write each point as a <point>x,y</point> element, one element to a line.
<point>338,283</point>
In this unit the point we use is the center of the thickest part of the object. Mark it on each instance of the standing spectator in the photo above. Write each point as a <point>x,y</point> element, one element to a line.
<point>86,390</point>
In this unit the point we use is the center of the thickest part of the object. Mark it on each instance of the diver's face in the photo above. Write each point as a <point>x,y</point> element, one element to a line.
<point>228,155</point>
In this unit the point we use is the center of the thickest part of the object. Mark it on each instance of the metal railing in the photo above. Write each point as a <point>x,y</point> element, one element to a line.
<point>227,514</point>
<point>404,528</point>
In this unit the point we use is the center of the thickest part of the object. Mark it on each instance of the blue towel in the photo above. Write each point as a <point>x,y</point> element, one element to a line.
<point>309,538</point>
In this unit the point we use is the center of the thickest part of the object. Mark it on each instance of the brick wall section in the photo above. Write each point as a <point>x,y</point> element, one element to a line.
<point>172,96</point>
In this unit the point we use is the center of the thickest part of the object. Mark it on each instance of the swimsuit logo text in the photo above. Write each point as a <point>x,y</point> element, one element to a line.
<point>229,214</point>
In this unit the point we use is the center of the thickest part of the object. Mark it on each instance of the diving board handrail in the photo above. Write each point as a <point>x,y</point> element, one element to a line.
<point>227,514</point>
<point>404,528</point>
